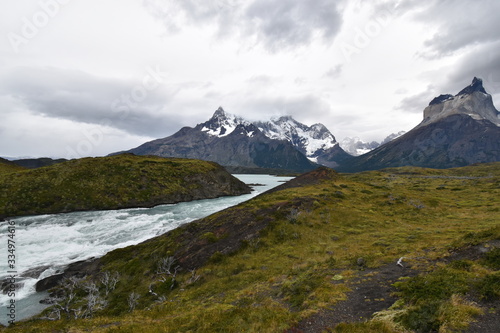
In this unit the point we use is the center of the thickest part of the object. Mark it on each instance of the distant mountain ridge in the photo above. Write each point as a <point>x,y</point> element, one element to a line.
<point>7,166</point>
<point>33,163</point>
<point>456,131</point>
<point>355,146</point>
<point>232,141</point>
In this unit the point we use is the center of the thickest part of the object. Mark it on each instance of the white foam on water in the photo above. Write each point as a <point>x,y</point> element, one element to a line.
<point>51,242</point>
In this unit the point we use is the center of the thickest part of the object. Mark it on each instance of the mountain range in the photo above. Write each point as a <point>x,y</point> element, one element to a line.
<point>457,130</point>
<point>280,144</point>
<point>355,146</point>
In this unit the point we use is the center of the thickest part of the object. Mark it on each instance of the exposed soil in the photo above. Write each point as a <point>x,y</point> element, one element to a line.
<point>371,292</point>
<point>488,322</point>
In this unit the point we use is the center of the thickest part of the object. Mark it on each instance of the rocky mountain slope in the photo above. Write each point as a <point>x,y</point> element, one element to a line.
<point>234,142</point>
<point>316,142</point>
<point>229,141</point>
<point>121,181</point>
<point>456,131</point>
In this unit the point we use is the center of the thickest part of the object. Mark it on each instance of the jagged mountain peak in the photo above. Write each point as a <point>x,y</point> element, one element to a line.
<point>476,85</point>
<point>472,101</point>
<point>282,119</point>
<point>307,139</point>
<point>441,98</point>
<point>456,131</point>
<point>230,140</point>
<point>222,123</point>
<point>219,113</point>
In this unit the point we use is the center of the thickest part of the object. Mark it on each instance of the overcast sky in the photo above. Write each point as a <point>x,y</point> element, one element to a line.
<point>87,78</point>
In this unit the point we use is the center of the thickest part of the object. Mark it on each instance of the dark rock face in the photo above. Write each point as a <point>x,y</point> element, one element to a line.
<point>476,85</point>
<point>316,141</point>
<point>246,146</point>
<point>79,269</point>
<point>332,157</point>
<point>281,144</point>
<point>440,99</point>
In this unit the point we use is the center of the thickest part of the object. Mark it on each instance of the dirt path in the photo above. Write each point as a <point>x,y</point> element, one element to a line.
<point>371,292</point>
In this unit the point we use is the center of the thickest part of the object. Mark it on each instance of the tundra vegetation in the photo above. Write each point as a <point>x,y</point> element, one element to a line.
<point>115,182</point>
<point>282,259</point>
<point>8,167</point>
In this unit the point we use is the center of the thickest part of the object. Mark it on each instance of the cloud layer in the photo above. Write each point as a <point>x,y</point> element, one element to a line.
<point>144,69</point>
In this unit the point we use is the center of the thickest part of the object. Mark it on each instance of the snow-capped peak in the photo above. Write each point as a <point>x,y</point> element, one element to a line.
<point>315,141</point>
<point>310,140</point>
<point>355,146</point>
<point>222,123</point>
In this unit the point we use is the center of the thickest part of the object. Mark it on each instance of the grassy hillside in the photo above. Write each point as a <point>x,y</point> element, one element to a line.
<point>113,182</point>
<point>7,166</point>
<point>307,257</point>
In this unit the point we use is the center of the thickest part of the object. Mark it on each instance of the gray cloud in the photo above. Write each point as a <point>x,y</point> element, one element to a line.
<point>334,72</point>
<point>84,98</point>
<point>458,23</point>
<point>483,62</point>
<point>276,24</point>
<point>307,108</point>
<point>417,103</point>
<point>288,23</point>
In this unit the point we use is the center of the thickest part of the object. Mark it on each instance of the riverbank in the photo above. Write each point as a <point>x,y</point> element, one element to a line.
<point>82,235</point>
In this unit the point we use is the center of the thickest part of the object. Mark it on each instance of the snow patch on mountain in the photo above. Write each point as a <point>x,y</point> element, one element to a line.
<point>310,140</point>
<point>315,142</point>
<point>222,123</point>
<point>356,147</point>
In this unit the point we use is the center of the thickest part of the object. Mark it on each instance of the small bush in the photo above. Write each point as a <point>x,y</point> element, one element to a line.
<point>428,298</point>
<point>492,259</point>
<point>298,289</point>
<point>210,237</point>
<point>217,257</point>
<point>422,318</point>
<point>368,327</point>
<point>463,265</point>
<point>489,286</point>
<point>438,285</point>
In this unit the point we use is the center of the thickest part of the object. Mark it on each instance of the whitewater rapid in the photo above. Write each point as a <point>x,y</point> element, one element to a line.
<point>46,244</point>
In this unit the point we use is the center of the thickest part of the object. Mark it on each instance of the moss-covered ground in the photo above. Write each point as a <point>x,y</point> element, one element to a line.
<point>114,182</point>
<point>302,250</point>
<point>8,167</point>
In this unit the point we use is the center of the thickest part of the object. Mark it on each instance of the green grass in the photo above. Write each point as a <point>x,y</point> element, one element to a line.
<point>115,182</point>
<point>268,263</point>
<point>9,167</point>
